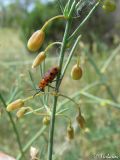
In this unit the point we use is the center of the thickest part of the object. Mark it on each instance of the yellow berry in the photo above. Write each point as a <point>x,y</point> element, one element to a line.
<point>46,120</point>
<point>36,40</point>
<point>15,105</point>
<point>81,121</point>
<point>70,132</point>
<point>76,72</point>
<point>39,59</point>
<point>21,112</point>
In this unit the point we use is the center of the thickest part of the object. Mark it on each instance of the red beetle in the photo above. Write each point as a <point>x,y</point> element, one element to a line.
<point>48,77</point>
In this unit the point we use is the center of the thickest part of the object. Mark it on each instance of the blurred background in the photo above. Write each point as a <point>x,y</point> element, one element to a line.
<point>101,35</point>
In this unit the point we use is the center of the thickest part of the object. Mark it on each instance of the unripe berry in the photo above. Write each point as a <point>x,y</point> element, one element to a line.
<point>81,121</point>
<point>39,59</point>
<point>36,40</point>
<point>76,72</point>
<point>46,120</point>
<point>70,132</point>
<point>15,105</point>
<point>109,6</point>
<point>21,112</point>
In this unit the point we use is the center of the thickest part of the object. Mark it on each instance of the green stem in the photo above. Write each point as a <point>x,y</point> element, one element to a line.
<point>75,33</point>
<point>36,136</point>
<point>71,9</point>
<point>51,45</point>
<point>107,63</point>
<point>61,5</point>
<point>62,52</point>
<point>63,47</point>
<point>52,122</point>
<point>77,94</point>
<point>77,5</point>
<point>101,100</point>
<point>51,19</point>
<point>69,58</point>
<point>92,85</point>
<point>44,97</point>
<point>110,92</point>
<point>14,127</point>
<point>51,132</point>
<point>71,99</point>
<point>98,99</point>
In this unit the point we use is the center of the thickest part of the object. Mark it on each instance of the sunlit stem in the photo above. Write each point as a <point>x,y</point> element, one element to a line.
<point>69,58</point>
<point>108,61</point>
<point>14,128</point>
<point>51,19</point>
<point>40,94</point>
<point>51,93</point>
<point>51,45</point>
<point>30,112</point>
<point>37,113</point>
<point>77,5</point>
<point>72,8</point>
<point>75,33</point>
<point>52,122</point>
<point>78,61</point>
<point>76,104</point>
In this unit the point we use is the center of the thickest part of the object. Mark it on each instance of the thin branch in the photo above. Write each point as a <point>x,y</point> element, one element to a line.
<point>14,127</point>
<point>75,33</point>
<point>69,58</point>
<point>35,137</point>
<point>107,63</point>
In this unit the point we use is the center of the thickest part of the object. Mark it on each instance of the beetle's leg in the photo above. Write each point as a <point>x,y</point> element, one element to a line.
<point>51,86</point>
<point>56,80</point>
<point>39,90</point>
<point>36,93</point>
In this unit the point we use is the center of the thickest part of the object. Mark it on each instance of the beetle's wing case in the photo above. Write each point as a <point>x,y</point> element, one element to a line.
<point>46,74</point>
<point>42,84</point>
<point>50,74</point>
<point>53,73</point>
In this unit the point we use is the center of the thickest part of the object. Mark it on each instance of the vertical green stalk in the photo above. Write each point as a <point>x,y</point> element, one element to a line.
<point>62,51</point>
<point>69,58</point>
<point>14,128</point>
<point>51,133</point>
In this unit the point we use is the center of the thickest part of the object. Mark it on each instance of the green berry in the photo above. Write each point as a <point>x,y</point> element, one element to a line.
<point>109,6</point>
